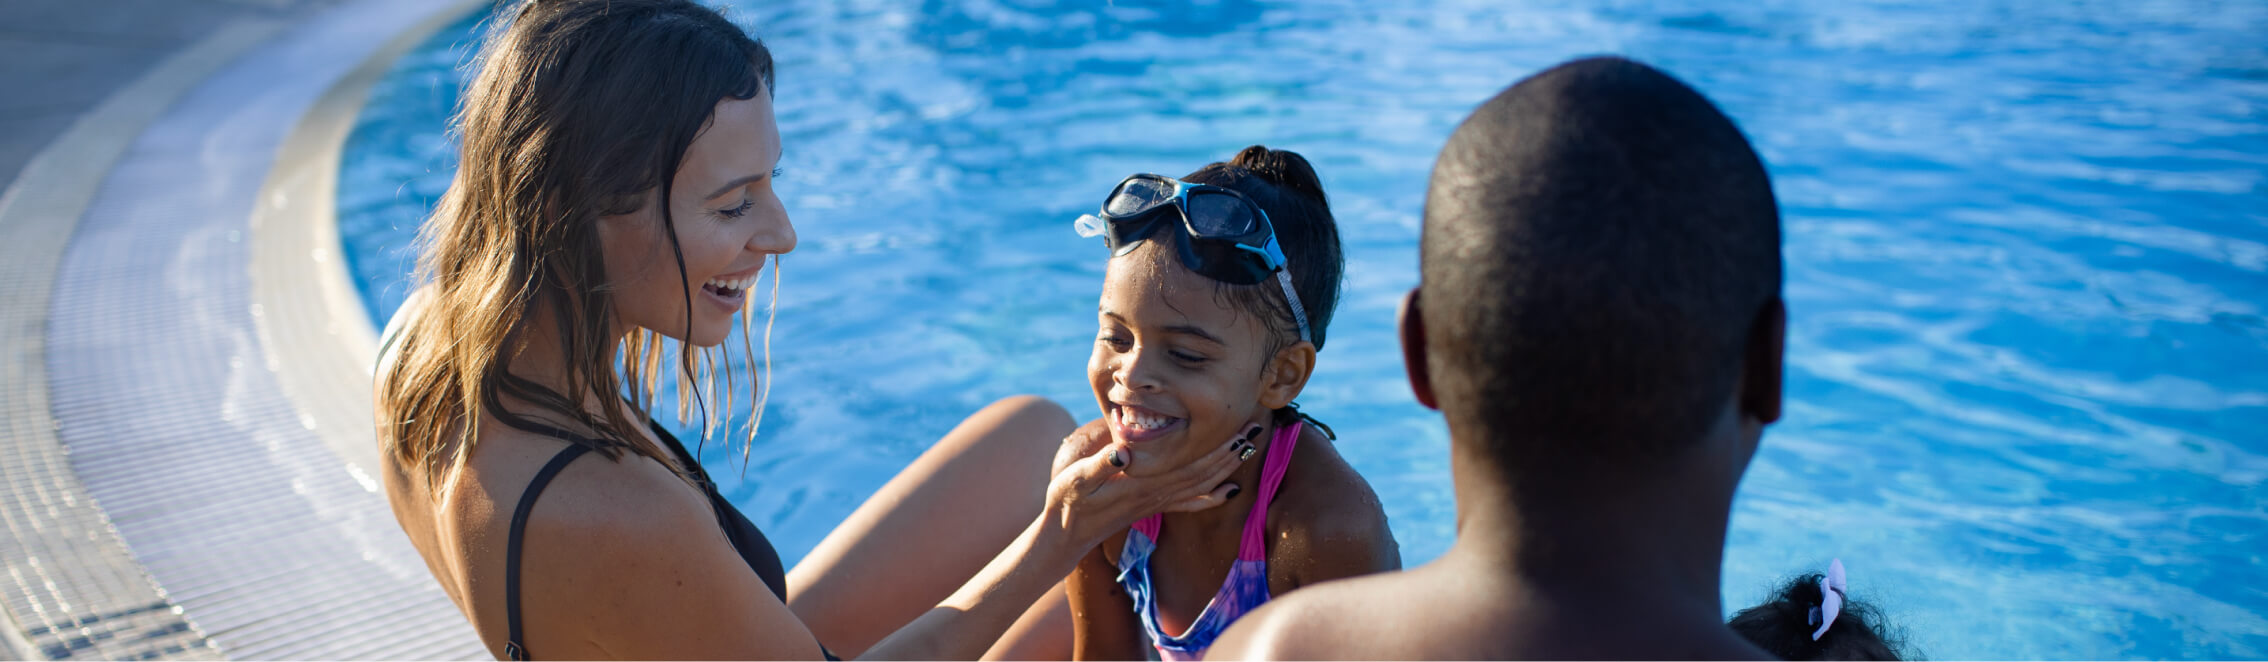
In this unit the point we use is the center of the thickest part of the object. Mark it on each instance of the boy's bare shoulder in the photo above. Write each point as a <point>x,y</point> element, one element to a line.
<point>1343,619</point>
<point>1440,611</point>
<point>1437,611</point>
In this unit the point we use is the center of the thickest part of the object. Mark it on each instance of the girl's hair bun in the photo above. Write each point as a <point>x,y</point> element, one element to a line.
<point>1282,168</point>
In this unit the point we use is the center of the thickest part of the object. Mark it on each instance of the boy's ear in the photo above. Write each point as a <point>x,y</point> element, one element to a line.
<point>1762,371</point>
<point>1411,319</point>
<point>1287,375</point>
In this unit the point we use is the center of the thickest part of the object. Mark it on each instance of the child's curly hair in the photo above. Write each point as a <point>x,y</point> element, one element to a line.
<point>1783,625</point>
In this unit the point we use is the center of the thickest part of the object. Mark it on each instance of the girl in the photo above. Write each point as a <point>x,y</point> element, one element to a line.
<point>1812,617</point>
<point>1218,292</point>
<point>614,198</point>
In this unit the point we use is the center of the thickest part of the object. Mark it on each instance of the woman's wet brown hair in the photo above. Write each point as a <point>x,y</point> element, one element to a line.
<point>580,109</point>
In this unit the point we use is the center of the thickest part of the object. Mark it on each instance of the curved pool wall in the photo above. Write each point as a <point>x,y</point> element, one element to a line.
<point>168,494</point>
<point>2026,250</point>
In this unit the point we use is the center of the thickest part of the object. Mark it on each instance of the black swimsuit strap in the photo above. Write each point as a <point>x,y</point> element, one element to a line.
<point>512,647</point>
<point>578,445</point>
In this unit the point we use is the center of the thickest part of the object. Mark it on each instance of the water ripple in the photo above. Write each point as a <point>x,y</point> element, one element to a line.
<point>2027,253</point>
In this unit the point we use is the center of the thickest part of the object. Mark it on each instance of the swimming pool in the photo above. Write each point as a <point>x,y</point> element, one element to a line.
<point>2027,248</point>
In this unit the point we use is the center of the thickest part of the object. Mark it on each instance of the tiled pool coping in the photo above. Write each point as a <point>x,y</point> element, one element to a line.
<point>184,469</point>
<point>69,577</point>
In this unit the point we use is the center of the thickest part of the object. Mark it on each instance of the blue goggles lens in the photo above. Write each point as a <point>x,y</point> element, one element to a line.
<point>1224,235</point>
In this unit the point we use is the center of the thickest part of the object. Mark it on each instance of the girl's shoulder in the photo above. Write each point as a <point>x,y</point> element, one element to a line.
<point>1326,522</point>
<point>1321,489</point>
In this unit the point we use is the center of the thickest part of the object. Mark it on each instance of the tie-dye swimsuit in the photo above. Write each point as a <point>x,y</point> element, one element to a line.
<point>1247,585</point>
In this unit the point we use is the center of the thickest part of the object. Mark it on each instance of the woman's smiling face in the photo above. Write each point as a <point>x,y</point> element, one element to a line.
<point>727,220</point>
<point>1173,364</point>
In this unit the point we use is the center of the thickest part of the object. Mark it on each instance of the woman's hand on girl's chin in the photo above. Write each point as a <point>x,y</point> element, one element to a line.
<point>1101,487</point>
<point>1083,442</point>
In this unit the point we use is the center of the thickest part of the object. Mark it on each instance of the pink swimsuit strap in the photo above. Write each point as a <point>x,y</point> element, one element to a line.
<point>1254,546</point>
<point>1246,586</point>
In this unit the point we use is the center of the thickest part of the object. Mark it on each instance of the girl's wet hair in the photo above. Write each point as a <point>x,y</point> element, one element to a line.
<point>1782,626</point>
<point>1285,187</point>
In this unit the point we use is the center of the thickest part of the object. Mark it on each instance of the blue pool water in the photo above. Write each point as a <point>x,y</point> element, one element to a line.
<point>2027,248</point>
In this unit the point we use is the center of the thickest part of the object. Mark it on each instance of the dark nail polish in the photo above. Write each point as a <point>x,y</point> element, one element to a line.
<point>1234,490</point>
<point>1117,458</point>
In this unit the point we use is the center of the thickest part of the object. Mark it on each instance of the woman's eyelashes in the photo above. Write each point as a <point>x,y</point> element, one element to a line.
<point>738,211</point>
<point>745,205</point>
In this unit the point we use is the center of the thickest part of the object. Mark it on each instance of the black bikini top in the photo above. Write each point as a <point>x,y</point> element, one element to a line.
<point>754,548</point>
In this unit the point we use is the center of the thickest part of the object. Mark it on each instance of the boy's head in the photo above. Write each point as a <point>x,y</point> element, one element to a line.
<point>1183,356</point>
<point>1601,274</point>
<point>1785,624</point>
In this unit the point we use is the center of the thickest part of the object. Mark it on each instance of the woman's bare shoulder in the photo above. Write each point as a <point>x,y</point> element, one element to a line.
<point>622,559</point>
<point>389,337</point>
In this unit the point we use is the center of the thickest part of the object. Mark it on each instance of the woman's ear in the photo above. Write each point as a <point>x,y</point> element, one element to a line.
<point>1287,374</point>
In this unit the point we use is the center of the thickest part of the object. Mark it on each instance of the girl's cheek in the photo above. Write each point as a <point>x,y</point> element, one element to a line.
<point>1099,367</point>
<point>1206,413</point>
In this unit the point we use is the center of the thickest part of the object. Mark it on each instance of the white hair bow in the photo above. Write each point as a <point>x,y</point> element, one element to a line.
<point>1831,589</point>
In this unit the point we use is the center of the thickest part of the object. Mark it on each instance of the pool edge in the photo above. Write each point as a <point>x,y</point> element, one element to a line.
<point>317,337</point>
<point>88,571</point>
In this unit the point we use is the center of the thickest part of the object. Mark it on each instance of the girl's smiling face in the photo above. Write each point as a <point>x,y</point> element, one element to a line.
<point>1175,366</point>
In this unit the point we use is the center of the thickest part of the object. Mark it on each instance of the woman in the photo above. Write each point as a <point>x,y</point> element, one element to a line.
<point>615,190</point>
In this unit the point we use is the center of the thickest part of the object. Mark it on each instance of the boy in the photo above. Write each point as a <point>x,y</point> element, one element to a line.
<point>1599,319</point>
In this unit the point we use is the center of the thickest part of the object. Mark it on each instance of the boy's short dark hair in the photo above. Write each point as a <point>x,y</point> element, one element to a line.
<point>1599,243</point>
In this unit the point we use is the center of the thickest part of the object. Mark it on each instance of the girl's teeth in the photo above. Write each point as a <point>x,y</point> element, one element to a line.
<point>1140,421</point>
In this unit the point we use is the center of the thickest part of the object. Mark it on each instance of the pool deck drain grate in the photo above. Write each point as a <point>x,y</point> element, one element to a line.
<point>163,494</point>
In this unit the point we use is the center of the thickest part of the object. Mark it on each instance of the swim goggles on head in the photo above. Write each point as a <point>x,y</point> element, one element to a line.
<point>1224,235</point>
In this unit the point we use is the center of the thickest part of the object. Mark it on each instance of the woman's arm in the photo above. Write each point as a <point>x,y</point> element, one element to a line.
<point>623,561</point>
<point>1096,496</point>
<point>1103,624</point>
